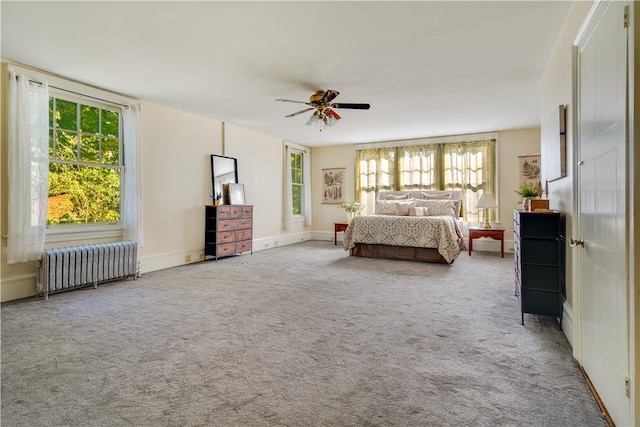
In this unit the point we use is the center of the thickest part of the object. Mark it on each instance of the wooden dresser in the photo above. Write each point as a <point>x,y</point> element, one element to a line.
<point>228,230</point>
<point>539,262</point>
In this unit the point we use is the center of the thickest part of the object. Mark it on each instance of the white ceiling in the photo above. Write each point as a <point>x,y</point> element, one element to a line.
<point>427,68</point>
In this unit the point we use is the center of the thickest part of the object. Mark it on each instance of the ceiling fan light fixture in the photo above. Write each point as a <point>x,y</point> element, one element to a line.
<point>322,101</point>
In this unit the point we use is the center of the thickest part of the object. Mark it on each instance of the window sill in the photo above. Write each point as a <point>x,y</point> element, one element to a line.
<point>58,234</point>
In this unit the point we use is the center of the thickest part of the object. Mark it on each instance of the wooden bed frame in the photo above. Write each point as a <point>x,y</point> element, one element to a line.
<point>406,253</point>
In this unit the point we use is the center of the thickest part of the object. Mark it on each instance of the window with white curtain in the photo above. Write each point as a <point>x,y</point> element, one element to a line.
<point>468,166</point>
<point>91,161</point>
<point>375,171</point>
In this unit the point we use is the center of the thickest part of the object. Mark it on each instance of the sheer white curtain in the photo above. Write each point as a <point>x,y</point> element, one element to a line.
<point>28,167</point>
<point>306,179</point>
<point>418,167</point>
<point>132,191</point>
<point>288,198</point>
<point>375,171</point>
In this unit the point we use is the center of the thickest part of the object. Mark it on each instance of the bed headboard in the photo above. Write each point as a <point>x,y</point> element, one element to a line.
<point>420,194</point>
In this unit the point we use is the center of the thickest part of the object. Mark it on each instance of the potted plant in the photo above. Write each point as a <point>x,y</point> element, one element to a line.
<point>218,199</point>
<point>527,192</point>
<point>351,207</point>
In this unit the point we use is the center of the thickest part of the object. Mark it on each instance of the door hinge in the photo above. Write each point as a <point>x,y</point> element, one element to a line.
<point>625,17</point>
<point>627,386</point>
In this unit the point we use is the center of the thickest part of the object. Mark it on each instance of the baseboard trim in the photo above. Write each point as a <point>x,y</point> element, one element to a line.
<point>325,235</point>
<point>281,240</point>
<point>18,287</point>
<point>567,322</point>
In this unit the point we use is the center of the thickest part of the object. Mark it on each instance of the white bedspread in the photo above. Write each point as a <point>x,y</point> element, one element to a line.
<point>440,232</point>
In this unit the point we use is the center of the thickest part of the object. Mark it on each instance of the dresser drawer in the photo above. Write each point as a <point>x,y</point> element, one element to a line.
<point>226,224</point>
<point>224,211</point>
<point>244,223</point>
<point>243,246</point>
<point>236,211</point>
<point>247,211</point>
<point>226,249</point>
<point>243,234</point>
<point>226,237</point>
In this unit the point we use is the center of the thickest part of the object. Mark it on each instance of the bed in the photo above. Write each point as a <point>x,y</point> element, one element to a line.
<point>409,225</point>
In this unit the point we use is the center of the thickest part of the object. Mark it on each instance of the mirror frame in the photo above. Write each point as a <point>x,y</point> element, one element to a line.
<point>222,181</point>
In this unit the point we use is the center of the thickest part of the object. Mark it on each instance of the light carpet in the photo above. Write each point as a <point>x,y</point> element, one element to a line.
<point>301,335</point>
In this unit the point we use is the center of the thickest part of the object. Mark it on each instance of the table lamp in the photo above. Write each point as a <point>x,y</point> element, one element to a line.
<point>486,202</point>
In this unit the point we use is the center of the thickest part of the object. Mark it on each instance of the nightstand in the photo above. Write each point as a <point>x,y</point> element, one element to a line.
<point>491,233</point>
<point>338,227</point>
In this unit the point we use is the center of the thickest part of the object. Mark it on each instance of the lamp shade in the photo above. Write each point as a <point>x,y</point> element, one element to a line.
<point>486,202</point>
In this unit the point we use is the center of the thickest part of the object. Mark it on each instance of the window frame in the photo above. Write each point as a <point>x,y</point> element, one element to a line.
<point>70,232</point>
<point>61,85</point>
<point>301,153</point>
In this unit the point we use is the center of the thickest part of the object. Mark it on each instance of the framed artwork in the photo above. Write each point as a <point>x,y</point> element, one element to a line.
<point>236,194</point>
<point>332,185</point>
<point>530,170</point>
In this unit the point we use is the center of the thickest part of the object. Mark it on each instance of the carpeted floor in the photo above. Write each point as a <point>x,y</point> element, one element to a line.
<point>301,335</point>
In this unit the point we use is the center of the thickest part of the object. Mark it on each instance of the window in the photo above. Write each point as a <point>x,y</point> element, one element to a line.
<point>85,162</point>
<point>297,182</point>
<point>468,166</point>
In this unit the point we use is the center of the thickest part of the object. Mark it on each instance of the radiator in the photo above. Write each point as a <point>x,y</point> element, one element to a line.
<point>73,267</point>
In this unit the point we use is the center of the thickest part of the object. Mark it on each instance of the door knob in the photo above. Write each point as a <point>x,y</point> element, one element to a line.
<point>578,242</point>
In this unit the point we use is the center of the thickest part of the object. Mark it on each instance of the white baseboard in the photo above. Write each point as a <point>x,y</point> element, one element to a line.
<point>567,322</point>
<point>169,259</point>
<point>325,235</point>
<point>18,287</point>
<point>281,240</point>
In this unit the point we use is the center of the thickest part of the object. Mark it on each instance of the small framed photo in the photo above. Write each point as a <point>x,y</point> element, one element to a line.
<point>236,194</point>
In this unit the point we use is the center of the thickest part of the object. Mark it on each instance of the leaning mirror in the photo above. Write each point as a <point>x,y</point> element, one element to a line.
<point>224,170</point>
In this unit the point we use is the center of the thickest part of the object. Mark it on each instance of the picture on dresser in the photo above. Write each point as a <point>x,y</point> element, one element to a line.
<point>236,194</point>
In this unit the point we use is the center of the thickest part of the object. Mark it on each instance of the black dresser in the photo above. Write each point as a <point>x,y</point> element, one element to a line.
<point>539,262</point>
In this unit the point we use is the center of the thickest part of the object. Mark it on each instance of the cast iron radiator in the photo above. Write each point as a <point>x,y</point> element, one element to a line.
<point>73,267</point>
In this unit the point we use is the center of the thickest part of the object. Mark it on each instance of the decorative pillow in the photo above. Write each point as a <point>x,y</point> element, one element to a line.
<point>385,207</point>
<point>385,196</point>
<point>418,211</point>
<point>437,196</point>
<point>402,208</point>
<point>440,207</point>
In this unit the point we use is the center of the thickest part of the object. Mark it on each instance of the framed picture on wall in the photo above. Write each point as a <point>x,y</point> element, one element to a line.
<point>530,170</point>
<point>332,185</point>
<point>236,194</point>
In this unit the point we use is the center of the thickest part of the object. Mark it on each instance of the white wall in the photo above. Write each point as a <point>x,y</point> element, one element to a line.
<point>261,169</point>
<point>176,149</point>
<point>556,89</point>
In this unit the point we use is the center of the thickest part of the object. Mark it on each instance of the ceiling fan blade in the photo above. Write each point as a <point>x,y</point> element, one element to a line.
<point>329,95</point>
<point>352,106</point>
<point>300,112</point>
<point>290,100</point>
<point>332,113</point>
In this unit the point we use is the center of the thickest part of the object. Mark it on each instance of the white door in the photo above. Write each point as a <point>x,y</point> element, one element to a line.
<point>602,215</point>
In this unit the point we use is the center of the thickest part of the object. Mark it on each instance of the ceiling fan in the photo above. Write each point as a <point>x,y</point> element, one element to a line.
<point>321,102</point>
